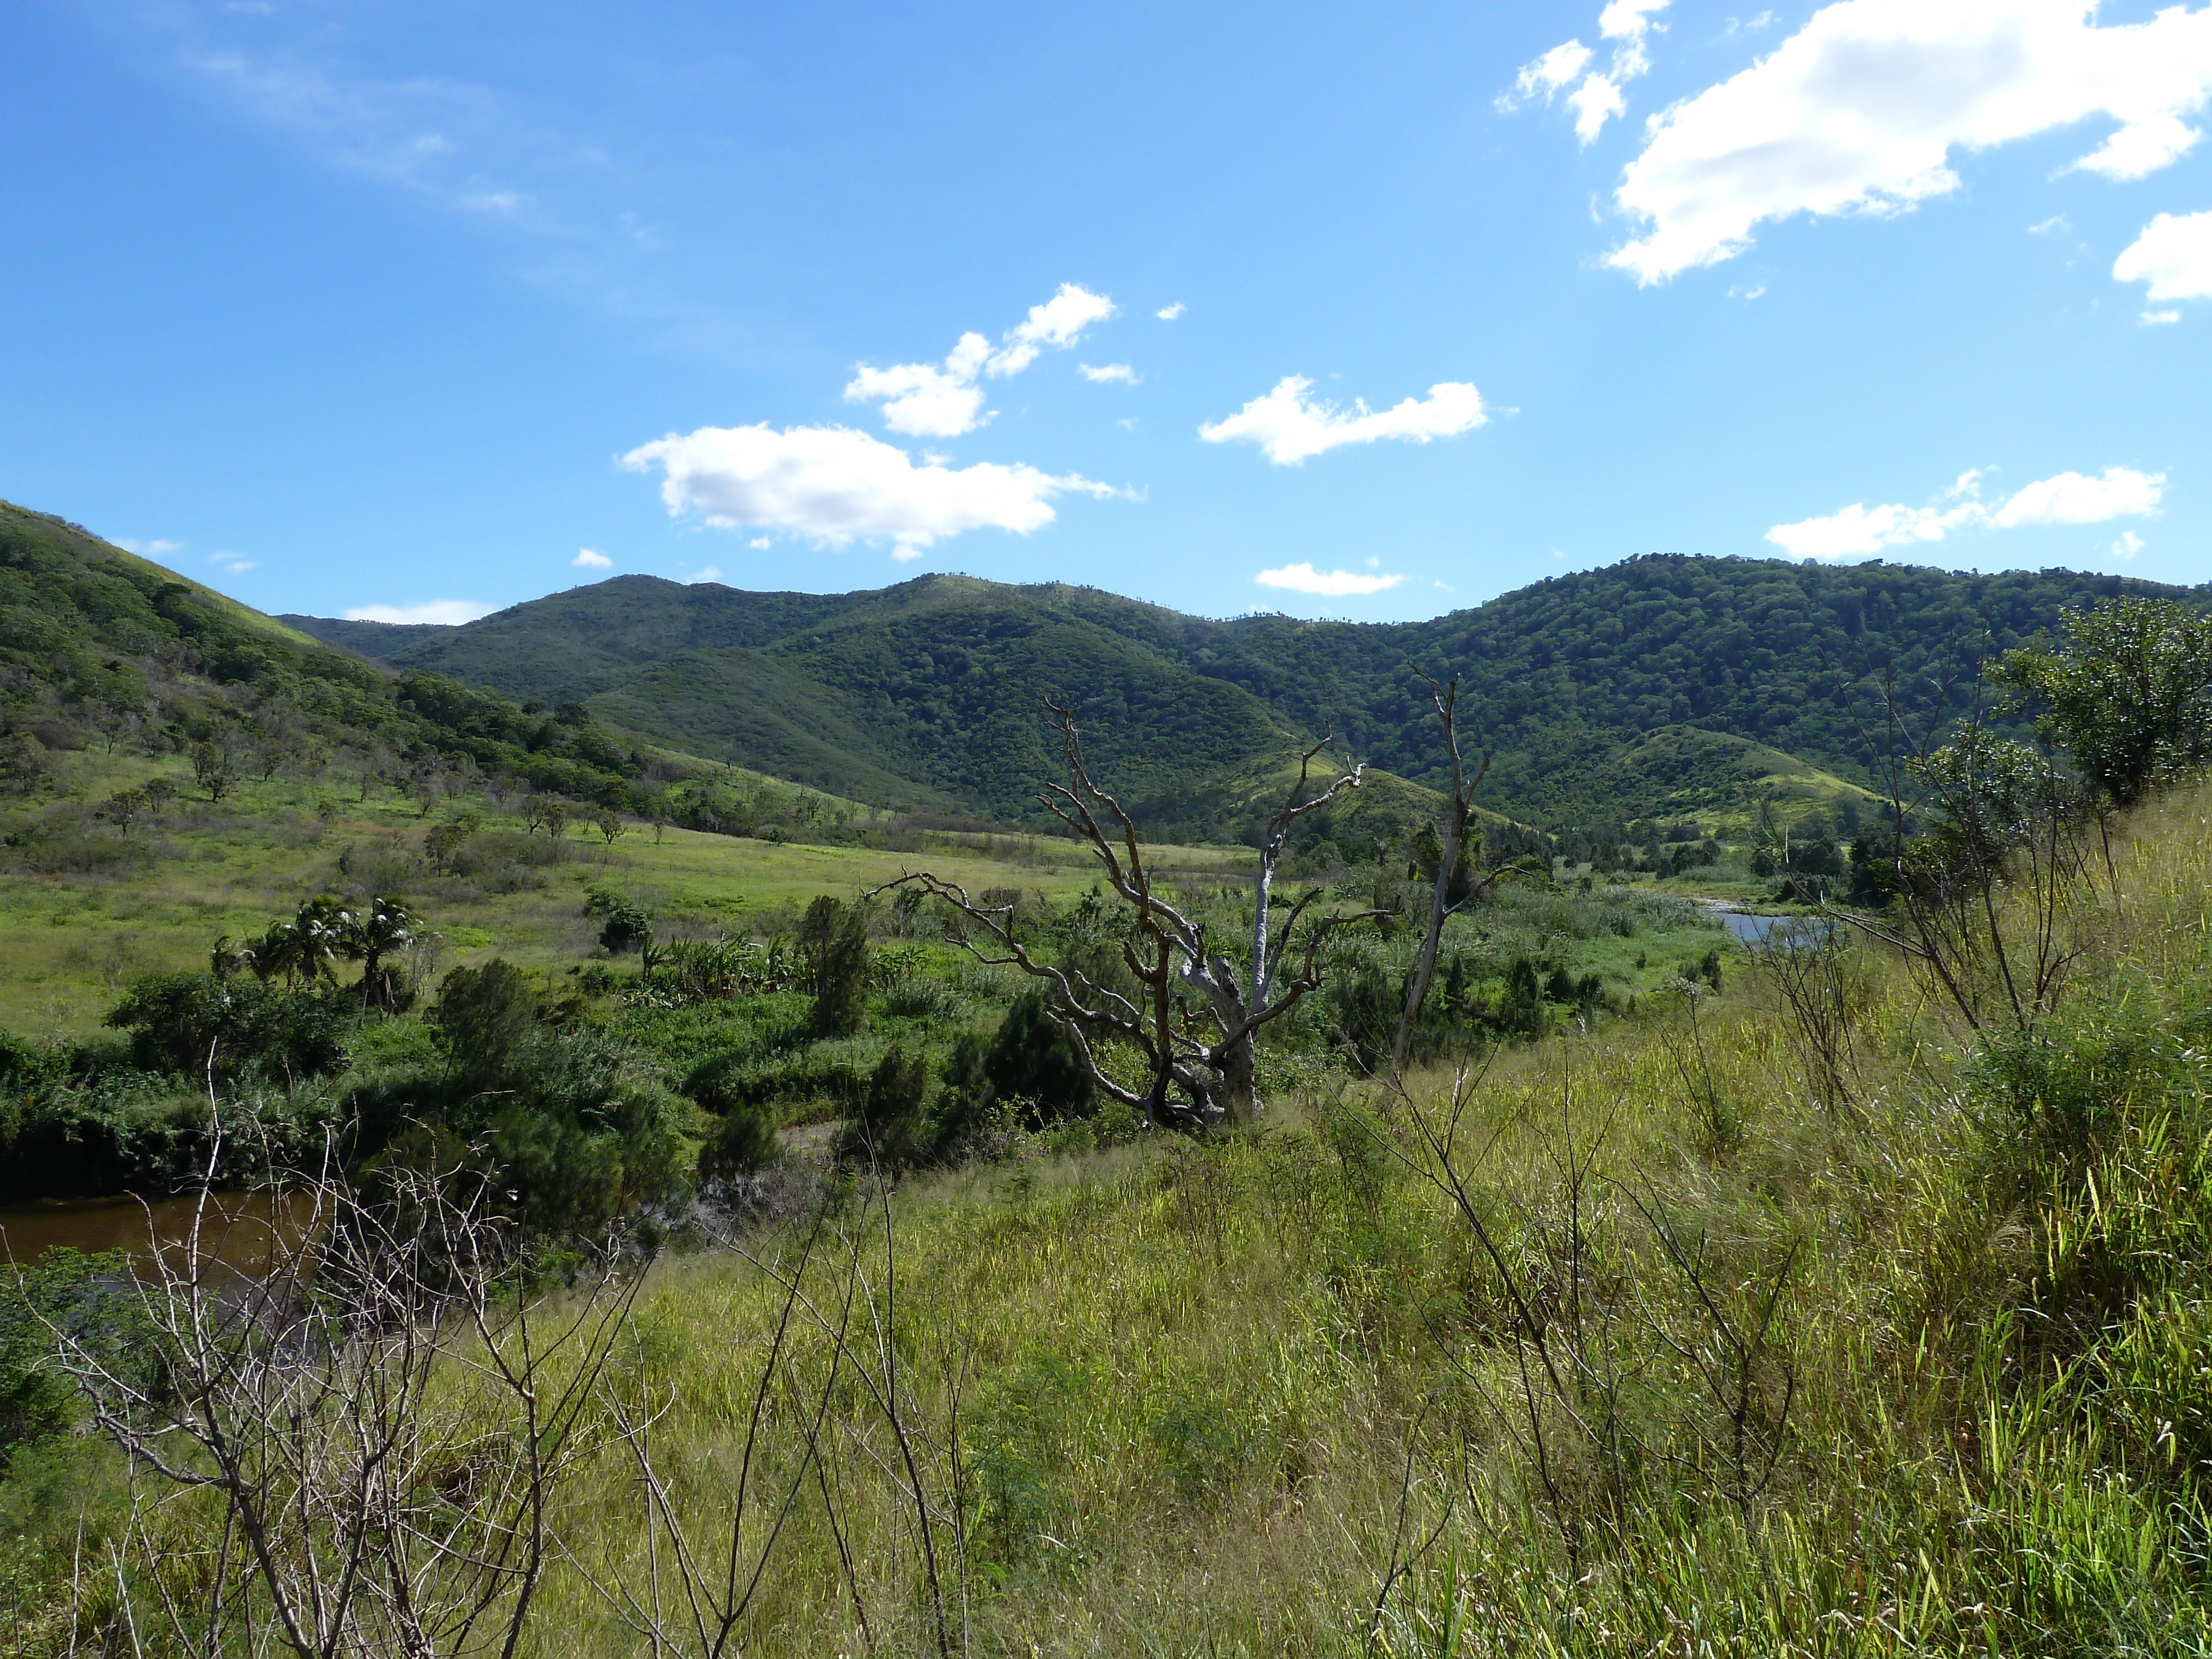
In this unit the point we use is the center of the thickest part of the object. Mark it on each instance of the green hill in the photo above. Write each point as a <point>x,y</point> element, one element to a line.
<point>98,645</point>
<point>1664,684</point>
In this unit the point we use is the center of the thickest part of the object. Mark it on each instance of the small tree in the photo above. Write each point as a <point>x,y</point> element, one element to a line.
<point>555,818</point>
<point>212,769</point>
<point>834,937</point>
<point>124,808</point>
<point>2129,697</point>
<point>445,844</point>
<point>610,826</point>
<point>386,928</point>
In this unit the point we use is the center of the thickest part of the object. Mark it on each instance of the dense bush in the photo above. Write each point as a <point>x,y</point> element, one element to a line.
<point>1035,1060</point>
<point>834,937</point>
<point>192,1023</point>
<point>566,1124</point>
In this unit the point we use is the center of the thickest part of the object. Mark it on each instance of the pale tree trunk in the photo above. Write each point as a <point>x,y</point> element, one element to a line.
<point>1445,700</point>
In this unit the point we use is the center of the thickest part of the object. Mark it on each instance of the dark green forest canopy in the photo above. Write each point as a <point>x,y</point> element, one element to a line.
<point>927,693</point>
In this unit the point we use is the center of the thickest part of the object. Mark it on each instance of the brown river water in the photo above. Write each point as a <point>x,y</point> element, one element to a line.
<point>237,1231</point>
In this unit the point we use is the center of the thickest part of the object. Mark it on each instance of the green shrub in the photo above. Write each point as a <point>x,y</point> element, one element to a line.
<point>191,1022</point>
<point>79,1294</point>
<point>834,938</point>
<point>744,1141</point>
<point>1035,1058</point>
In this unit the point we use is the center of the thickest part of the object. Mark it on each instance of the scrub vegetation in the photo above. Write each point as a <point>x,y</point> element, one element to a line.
<point>692,1213</point>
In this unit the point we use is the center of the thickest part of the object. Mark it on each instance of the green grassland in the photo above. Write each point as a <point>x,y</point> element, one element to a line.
<point>1907,1367</point>
<point>158,897</point>
<point>1263,1397</point>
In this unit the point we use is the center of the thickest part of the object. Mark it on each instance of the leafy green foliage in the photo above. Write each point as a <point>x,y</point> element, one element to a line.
<point>834,938</point>
<point>79,1294</point>
<point>190,1024</point>
<point>562,1122</point>
<point>2129,696</point>
<point>1035,1059</point>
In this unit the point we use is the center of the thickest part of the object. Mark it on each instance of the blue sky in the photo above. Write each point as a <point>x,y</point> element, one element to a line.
<point>355,307</point>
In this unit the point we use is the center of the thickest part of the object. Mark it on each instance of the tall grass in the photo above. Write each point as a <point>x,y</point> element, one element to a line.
<point>1637,1342</point>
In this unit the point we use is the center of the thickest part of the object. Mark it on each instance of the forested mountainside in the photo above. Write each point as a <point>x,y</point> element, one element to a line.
<point>1700,675</point>
<point>98,645</point>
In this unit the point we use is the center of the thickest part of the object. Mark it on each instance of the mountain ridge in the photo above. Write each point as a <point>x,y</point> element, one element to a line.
<point>929,689</point>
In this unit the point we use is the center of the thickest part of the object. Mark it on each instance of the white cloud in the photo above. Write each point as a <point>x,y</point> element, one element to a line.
<point>1547,74</point>
<point>1303,577</point>
<point>1169,313</point>
<point>1056,324</point>
<point>837,486</point>
<point>1120,372</point>
<point>2174,256</point>
<point>156,549</point>
<point>1593,103</point>
<point>925,400</point>
<point>2066,498</point>
<point>2069,498</point>
<point>2055,221</point>
<point>1289,427</point>
<point>446,613</point>
<point>588,560</point>
<point>1597,96</point>
<point>1859,529</point>
<point>2127,546</point>
<point>1859,111</point>
<point>237,563</point>
<point>760,543</point>
<point>2157,319</point>
<point>707,574</point>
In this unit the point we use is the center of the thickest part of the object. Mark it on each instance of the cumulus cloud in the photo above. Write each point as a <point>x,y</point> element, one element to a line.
<point>922,399</point>
<point>2174,256</point>
<point>1859,529</point>
<point>156,549</point>
<point>837,486</point>
<point>2069,498</point>
<point>1169,313</point>
<point>1861,110</point>
<point>237,563</point>
<point>1597,96</point>
<point>1289,426</point>
<point>707,574</point>
<point>1303,577</point>
<point>2066,498</point>
<point>446,613</point>
<point>2127,546</point>
<point>588,560</point>
<point>930,400</point>
<point>1113,373</point>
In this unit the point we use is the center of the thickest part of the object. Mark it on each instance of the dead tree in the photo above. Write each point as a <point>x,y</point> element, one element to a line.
<point>379,1423</point>
<point>1210,1058</point>
<point>1458,813</point>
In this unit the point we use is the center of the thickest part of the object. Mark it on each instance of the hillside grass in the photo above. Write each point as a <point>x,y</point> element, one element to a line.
<point>118,905</point>
<point>1214,1398</point>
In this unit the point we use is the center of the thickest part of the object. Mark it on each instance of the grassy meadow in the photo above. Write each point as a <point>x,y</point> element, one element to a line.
<point>1910,1362</point>
<point>1683,1335</point>
<point>110,906</point>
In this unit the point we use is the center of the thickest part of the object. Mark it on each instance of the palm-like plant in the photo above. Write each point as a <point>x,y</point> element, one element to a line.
<point>309,947</point>
<point>385,927</point>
